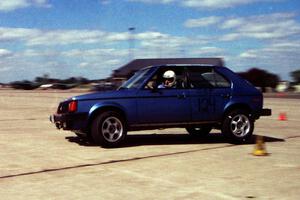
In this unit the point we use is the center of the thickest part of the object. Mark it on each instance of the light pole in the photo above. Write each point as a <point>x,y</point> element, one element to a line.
<point>131,43</point>
<point>159,47</point>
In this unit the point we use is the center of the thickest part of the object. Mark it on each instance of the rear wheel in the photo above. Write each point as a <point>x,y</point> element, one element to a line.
<point>238,126</point>
<point>108,129</point>
<point>199,130</point>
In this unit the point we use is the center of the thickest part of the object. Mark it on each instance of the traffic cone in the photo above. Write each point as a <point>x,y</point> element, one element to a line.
<point>260,148</point>
<point>282,116</point>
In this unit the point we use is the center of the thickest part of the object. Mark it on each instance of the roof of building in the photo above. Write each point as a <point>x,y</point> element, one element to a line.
<point>128,69</point>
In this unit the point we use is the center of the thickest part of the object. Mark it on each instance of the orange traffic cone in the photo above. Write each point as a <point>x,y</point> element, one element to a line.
<point>260,148</point>
<point>282,116</point>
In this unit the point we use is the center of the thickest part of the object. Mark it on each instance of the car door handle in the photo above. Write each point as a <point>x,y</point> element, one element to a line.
<point>181,96</point>
<point>225,96</point>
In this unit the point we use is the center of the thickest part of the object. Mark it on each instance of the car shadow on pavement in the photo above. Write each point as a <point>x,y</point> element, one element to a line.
<point>170,139</point>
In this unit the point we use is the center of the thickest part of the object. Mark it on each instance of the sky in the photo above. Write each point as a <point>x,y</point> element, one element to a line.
<point>90,38</point>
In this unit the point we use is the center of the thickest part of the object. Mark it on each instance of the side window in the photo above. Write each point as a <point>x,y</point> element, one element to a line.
<point>206,78</point>
<point>221,81</point>
<point>158,80</point>
<point>152,83</point>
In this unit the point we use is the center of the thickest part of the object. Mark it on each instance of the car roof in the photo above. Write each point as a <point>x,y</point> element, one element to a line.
<point>180,65</point>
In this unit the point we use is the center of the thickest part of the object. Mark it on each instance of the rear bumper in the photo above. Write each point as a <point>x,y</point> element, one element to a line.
<point>70,121</point>
<point>262,112</point>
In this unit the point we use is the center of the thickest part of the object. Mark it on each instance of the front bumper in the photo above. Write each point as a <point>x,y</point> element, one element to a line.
<point>70,121</point>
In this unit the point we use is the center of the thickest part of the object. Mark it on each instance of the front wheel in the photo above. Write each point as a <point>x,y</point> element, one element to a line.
<point>108,129</point>
<point>238,126</point>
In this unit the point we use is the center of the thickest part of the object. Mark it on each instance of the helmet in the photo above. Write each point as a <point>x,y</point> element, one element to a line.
<point>169,78</point>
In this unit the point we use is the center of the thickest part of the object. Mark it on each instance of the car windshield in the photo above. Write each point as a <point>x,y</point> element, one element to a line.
<point>137,79</point>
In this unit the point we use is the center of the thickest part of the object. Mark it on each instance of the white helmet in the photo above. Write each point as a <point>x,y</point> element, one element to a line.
<point>170,78</point>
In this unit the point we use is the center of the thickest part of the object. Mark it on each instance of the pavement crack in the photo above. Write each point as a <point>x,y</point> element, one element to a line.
<point>28,119</point>
<point>112,162</point>
<point>292,137</point>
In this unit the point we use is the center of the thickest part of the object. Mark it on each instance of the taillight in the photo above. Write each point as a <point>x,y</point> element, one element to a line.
<point>72,106</point>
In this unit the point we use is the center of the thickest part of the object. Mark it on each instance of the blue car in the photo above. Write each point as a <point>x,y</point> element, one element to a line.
<point>196,97</point>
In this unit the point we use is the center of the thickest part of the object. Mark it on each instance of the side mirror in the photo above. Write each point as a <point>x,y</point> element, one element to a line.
<point>154,89</point>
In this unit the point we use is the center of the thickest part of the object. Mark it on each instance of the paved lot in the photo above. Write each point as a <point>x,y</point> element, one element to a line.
<point>39,162</point>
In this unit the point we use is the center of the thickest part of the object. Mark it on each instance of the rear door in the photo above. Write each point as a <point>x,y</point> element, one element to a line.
<point>209,93</point>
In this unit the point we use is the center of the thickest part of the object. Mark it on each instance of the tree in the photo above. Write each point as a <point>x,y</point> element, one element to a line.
<point>260,78</point>
<point>44,79</point>
<point>295,76</point>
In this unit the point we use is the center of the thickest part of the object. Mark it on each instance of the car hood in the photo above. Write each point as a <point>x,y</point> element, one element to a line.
<point>106,95</point>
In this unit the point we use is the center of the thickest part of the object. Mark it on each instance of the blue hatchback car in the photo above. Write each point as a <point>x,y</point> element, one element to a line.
<point>200,98</point>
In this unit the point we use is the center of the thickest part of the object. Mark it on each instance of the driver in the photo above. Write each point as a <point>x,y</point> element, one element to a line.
<point>169,80</point>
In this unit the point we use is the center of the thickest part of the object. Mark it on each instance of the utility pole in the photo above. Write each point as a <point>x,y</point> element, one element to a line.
<point>131,43</point>
<point>159,46</point>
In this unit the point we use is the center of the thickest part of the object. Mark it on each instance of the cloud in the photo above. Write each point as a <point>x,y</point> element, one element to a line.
<point>34,37</point>
<point>202,22</point>
<point>105,2</point>
<point>5,53</point>
<point>276,50</point>
<point>263,27</point>
<point>95,53</point>
<point>11,5</point>
<point>37,37</point>
<point>17,34</point>
<point>208,51</point>
<point>280,57</point>
<point>215,4</point>
<point>153,1</point>
<point>204,4</point>
<point>232,23</point>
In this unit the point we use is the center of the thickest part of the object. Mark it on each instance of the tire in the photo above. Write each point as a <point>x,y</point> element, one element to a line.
<point>109,129</point>
<point>200,131</point>
<point>238,126</point>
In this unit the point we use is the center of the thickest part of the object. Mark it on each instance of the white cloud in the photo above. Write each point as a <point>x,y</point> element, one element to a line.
<point>208,51</point>
<point>84,64</point>
<point>65,37</point>
<point>11,5</point>
<point>5,53</point>
<point>36,37</point>
<point>230,37</point>
<point>201,22</point>
<point>95,54</point>
<point>249,54</point>
<point>232,23</point>
<point>105,2</point>
<point>263,27</point>
<point>203,4</point>
<point>16,34</point>
<point>280,57</point>
<point>215,4</point>
<point>154,1</point>
<point>150,35</point>
<point>33,37</point>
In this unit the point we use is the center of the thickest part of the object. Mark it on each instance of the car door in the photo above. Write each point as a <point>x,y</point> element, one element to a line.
<point>209,93</point>
<point>202,105</point>
<point>221,93</point>
<point>163,105</point>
